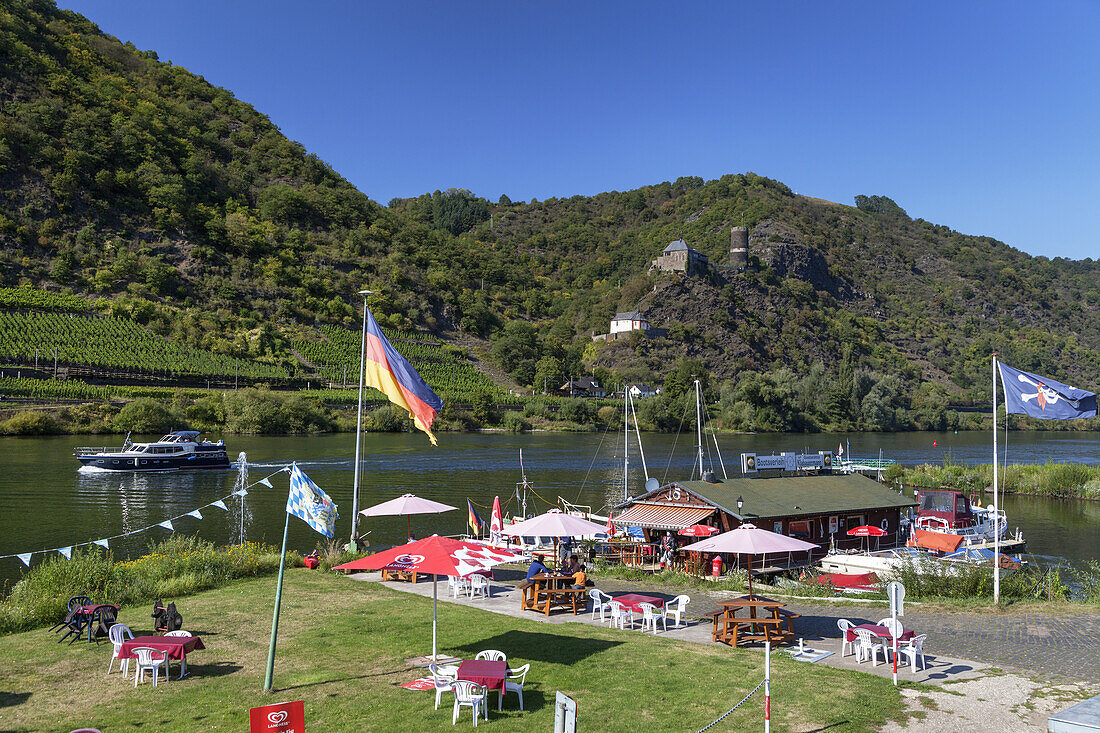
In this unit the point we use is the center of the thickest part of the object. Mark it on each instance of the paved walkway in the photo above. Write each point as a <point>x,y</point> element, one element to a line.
<point>506,600</point>
<point>1055,647</point>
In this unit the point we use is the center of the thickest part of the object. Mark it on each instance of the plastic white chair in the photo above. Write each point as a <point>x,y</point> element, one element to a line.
<point>514,683</point>
<point>443,676</point>
<point>913,648</point>
<point>457,585</point>
<point>650,615</point>
<point>677,607</point>
<point>118,634</point>
<point>620,614</point>
<point>471,695</point>
<point>492,655</point>
<point>868,645</point>
<point>845,646</point>
<point>599,602</point>
<point>145,660</point>
<point>183,661</point>
<point>896,630</point>
<point>479,585</point>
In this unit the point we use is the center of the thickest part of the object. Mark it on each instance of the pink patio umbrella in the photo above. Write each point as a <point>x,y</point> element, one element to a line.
<point>748,539</point>
<point>438,556</point>
<point>556,524</point>
<point>407,504</point>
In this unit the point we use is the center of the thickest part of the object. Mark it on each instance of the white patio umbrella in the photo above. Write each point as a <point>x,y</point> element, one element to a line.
<point>748,539</point>
<point>556,524</point>
<point>407,504</point>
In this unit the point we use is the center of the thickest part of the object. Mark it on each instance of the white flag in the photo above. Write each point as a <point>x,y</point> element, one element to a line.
<point>221,505</point>
<point>840,449</point>
<point>265,482</point>
<point>66,551</point>
<point>240,492</point>
<point>196,514</point>
<point>26,558</point>
<point>101,543</point>
<point>167,524</point>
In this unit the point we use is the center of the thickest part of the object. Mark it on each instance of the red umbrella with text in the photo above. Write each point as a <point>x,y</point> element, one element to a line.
<point>438,556</point>
<point>698,530</point>
<point>866,530</point>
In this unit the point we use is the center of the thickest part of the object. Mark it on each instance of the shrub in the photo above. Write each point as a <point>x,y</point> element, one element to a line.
<point>30,422</point>
<point>514,423</point>
<point>146,415</point>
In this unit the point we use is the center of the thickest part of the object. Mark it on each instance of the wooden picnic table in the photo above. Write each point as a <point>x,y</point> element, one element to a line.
<point>545,593</point>
<point>393,573</point>
<point>772,624</point>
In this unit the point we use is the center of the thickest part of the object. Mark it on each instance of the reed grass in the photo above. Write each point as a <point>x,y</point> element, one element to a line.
<point>1057,480</point>
<point>178,566</point>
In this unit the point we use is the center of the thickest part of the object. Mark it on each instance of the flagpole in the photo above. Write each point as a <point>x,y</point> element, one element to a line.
<point>268,678</point>
<point>359,425</point>
<point>435,604</point>
<point>996,521</point>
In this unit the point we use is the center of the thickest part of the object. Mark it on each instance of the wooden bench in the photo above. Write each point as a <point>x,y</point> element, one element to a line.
<point>733,630</point>
<point>408,575</point>
<point>536,598</point>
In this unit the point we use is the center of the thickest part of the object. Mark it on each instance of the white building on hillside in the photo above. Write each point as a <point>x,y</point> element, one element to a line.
<point>632,321</point>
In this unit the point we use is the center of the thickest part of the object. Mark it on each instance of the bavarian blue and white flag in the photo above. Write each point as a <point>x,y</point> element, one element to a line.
<point>1046,399</point>
<point>308,502</point>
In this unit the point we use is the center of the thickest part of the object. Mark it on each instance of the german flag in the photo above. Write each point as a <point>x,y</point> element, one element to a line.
<point>389,373</point>
<point>477,524</point>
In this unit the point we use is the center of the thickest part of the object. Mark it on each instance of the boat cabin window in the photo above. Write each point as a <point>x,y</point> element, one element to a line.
<point>938,501</point>
<point>854,520</point>
<point>961,505</point>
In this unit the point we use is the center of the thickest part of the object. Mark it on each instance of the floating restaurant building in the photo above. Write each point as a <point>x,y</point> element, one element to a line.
<point>818,508</point>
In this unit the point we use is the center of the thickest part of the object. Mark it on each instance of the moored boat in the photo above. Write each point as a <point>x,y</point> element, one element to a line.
<point>178,450</point>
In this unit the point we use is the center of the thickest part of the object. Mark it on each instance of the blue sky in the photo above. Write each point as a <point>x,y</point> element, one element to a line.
<point>981,116</point>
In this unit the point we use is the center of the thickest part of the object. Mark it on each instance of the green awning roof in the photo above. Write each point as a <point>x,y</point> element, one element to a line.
<point>788,496</point>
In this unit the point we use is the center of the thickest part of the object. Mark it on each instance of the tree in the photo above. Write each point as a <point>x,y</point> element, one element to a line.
<point>516,349</point>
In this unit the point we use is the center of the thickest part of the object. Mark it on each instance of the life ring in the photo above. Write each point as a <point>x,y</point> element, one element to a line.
<point>885,523</point>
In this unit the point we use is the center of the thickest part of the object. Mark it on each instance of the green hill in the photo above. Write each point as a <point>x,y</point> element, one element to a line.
<point>156,198</point>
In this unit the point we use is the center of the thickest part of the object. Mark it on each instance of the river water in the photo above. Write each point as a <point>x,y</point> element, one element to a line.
<point>46,503</point>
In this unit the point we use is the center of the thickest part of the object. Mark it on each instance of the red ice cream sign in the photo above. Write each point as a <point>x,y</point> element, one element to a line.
<point>283,717</point>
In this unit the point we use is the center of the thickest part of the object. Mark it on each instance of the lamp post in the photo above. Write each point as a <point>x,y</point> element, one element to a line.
<point>741,503</point>
<point>358,427</point>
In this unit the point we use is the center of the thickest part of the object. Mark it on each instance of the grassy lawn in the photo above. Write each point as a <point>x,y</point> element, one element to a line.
<point>342,646</point>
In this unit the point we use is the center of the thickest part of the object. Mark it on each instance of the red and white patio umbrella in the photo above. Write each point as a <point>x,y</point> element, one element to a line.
<point>407,504</point>
<point>866,530</point>
<point>699,530</point>
<point>437,556</point>
<point>748,539</point>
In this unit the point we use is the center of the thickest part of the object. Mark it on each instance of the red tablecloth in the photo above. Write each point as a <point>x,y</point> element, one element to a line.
<point>631,601</point>
<point>175,647</point>
<point>484,672</point>
<point>882,631</point>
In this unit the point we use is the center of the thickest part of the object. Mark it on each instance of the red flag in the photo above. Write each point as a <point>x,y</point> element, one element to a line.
<point>610,524</point>
<point>496,522</point>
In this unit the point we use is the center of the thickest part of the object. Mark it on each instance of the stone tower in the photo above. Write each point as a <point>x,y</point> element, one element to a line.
<point>739,247</point>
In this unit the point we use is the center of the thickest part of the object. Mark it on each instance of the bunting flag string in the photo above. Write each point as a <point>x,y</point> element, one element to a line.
<point>25,557</point>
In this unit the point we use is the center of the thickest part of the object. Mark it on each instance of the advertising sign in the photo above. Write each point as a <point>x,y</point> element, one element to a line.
<point>282,717</point>
<point>753,462</point>
<point>834,525</point>
<point>748,463</point>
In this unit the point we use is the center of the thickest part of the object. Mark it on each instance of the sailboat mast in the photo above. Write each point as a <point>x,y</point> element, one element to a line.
<point>638,433</point>
<point>626,442</point>
<point>699,424</point>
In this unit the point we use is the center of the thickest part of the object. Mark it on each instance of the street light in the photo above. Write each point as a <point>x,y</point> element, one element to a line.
<point>740,503</point>
<point>359,426</point>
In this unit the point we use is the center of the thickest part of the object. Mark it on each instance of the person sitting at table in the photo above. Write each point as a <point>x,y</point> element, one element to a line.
<point>537,568</point>
<point>571,565</point>
<point>580,577</point>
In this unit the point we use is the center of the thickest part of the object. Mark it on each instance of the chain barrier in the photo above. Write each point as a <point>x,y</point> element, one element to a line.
<point>726,714</point>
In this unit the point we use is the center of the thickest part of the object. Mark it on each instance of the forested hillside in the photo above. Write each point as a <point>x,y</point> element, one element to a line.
<point>155,197</point>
